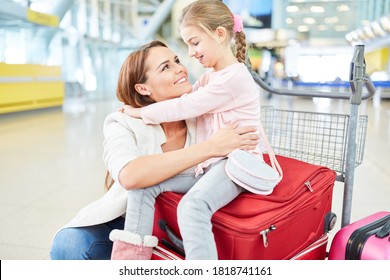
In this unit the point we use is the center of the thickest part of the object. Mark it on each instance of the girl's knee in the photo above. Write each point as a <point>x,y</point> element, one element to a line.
<point>190,208</point>
<point>152,192</point>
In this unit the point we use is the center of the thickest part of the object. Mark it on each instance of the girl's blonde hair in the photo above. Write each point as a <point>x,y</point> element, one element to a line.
<point>132,72</point>
<point>210,14</point>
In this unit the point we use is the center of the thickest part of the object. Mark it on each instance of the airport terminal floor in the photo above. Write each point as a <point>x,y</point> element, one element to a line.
<point>51,166</point>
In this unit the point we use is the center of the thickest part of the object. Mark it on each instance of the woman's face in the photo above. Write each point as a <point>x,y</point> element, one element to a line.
<point>167,78</point>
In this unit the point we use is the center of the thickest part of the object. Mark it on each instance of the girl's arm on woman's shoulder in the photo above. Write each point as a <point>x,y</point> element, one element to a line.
<point>188,106</point>
<point>213,97</point>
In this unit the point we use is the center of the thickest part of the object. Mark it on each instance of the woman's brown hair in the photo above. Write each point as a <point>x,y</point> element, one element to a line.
<point>132,72</point>
<point>209,15</point>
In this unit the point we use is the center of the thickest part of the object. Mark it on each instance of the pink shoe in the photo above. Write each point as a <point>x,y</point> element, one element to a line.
<point>129,246</point>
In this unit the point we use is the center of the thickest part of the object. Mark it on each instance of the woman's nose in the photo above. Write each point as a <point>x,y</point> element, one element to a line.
<point>180,68</point>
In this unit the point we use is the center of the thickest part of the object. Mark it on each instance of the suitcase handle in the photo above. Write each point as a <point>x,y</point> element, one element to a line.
<point>172,247</point>
<point>384,231</point>
<point>171,235</point>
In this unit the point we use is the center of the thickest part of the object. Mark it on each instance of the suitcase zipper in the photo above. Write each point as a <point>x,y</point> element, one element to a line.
<point>275,219</point>
<point>359,237</point>
<point>311,184</point>
<point>264,233</point>
<point>315,177</point>
<point>308,185</point>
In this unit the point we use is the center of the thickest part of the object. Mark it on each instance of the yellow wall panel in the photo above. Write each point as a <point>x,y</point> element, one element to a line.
<point>43,19</point>
<point>29,70</point>
<point>30,86</point>
<point>27,96</point>
<point>30,106</point>
<point>377,60</point>
<point>14,92</point>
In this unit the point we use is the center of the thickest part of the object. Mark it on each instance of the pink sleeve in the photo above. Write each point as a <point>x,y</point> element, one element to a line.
<point>190,105</point>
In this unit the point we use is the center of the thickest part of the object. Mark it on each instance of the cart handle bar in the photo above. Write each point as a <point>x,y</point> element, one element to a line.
<point>367,82</point>
<point>357,73</point>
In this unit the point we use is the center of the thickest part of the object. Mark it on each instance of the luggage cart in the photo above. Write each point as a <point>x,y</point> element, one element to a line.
<point>333,140</point>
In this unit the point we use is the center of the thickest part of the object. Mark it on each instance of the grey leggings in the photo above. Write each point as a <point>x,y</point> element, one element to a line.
<point>204,195</point>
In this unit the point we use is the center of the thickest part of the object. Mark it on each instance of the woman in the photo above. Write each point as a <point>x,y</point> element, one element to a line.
<point>140,156</point>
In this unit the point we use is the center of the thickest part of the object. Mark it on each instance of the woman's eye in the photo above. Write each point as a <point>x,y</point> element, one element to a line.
<point>165,67</point>
<point>177,61</point>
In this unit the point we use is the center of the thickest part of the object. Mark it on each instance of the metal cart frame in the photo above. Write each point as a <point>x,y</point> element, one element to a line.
<point>333,140</point>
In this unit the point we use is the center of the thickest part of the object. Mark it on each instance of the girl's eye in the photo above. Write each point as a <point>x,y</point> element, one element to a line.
<point>177,61</point>
<point>195,43</point>
<point>165,67</point>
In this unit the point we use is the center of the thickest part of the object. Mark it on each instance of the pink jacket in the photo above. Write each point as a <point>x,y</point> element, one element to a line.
<point>219,98</point>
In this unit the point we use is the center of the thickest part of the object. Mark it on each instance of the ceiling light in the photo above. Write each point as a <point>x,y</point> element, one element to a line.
<point>367,29</point>
<point>341,28</point>
<point>292,9</point>
<point>352,36</point>
<point>342,8</point>
<point>349,38</point>
<point>302,28</point>
<point>362,35</point>
<point>317,9</point>
<point>385,22</point>
<point>322,27</point>
<point>309,20</point>
<point>376,27</point>
<point>331,19</point>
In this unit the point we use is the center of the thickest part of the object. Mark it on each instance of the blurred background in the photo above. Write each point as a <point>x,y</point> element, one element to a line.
<point>59,61</point>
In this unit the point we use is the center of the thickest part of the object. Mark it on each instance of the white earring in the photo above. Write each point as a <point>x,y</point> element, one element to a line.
<point>149,93</point>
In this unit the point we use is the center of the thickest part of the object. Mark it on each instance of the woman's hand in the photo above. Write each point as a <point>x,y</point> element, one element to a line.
<point>133,112</point>
<point>233,137</point>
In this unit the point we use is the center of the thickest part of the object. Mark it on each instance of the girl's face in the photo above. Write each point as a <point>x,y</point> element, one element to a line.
<point>205,48</point>
<point>167,78</point>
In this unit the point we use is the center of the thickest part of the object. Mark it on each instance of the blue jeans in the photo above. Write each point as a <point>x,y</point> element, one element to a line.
<point>205,194</point>
<point>85,243</point>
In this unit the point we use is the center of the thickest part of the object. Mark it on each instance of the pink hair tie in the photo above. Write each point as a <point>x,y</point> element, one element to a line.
<point>238,25</point>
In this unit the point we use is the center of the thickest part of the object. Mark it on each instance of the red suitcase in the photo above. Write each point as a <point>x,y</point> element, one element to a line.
<point>315,251</point>
<point>160,252</point>
<point>365,239</point>
<point>277,226</point>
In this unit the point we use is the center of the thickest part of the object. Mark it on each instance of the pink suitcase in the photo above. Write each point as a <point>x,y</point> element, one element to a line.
<point>365,239</point>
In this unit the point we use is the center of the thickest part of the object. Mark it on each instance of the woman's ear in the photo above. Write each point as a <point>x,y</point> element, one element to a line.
<point>142,89</point>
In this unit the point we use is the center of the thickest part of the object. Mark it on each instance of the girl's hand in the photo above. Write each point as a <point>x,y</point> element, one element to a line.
<point>233,137</point>
<point>133,112</point>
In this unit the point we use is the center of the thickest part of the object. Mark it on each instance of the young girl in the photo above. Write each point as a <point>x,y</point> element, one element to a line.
<point>225,94</point>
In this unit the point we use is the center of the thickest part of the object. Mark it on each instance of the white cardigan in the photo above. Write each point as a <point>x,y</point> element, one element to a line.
<point>125,139</point>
